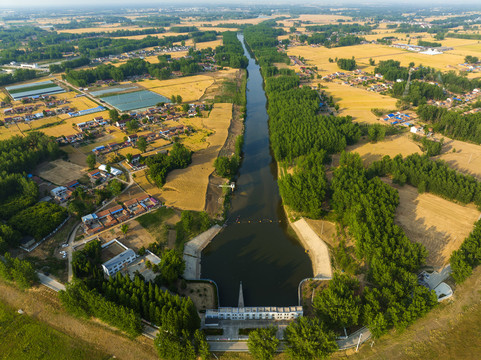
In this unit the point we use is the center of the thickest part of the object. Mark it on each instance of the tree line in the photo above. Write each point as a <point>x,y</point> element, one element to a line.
<point>19,271</point>
<point>230,53</point>
<point>430,176</point>
<point>465,127</point>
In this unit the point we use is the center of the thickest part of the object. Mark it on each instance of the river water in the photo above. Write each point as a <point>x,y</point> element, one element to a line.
<point>255,247</point>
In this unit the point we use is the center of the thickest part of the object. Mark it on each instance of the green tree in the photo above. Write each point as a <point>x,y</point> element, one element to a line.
<point>173,99</point>
<point>307,339</point>
<point>124,228</point>
<point>114,115</point>
<point>178,99</point>
<point>91,160</point>
<point>141,144</point>
<point>129,157</point>
<point>263,343</point>
<point>185,107</point>
<point>172,266</point>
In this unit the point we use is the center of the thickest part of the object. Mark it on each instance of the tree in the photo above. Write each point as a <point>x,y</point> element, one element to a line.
<point>173,99</point>
<point>171,266</point>
<point>124,228</point>
<point>141,144</point>
<point>471,59</point>
<point>114,115</point>
<point>129,157</point>
<point>376,133</point>
<point>91,161</point>
<point>179,99</point>
<point>263,343</point>
<point>132,125</point>
<point>185,107</point>
<point>307,339</point>
<point>108,168</point>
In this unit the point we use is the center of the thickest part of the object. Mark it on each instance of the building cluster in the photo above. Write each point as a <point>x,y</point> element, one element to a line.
<point>93,223</point>
<point>101,174</point>
<point>140,54</point>
<point>62,193</point>
<point>26,112</point>
<point>422,49</point>
<point>212,316</point>
<point>398,118</point>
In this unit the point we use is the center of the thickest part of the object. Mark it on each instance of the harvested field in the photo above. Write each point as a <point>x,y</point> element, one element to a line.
<point>186,188</point>
<point>191,88</point>
<point>151,189</point>
<point>59,171</point>
<point>358,102</point>
<point>392,145</point>
<point>466,159</point>
<point>204,45</point>
<point>75,155</point>
<point>440,225</point>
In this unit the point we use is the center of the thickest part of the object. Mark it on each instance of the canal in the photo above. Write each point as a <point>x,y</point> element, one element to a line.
<point>255,247</point>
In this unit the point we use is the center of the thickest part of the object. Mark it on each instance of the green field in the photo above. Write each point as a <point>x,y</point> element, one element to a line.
<point>24,338</point>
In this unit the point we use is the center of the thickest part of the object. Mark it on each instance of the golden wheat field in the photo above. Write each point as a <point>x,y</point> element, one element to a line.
<point>358,102</point>
<point>186,188</point>
<point>462,156</point>
<point>391,145</point>
<point>440,225</point>
<point>191,88</point>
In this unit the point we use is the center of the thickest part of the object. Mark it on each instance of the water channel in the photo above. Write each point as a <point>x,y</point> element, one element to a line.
<point>255,247</point>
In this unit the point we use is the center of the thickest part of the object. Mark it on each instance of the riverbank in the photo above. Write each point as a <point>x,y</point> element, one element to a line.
<point>315,247</point>
<point>193,252</point>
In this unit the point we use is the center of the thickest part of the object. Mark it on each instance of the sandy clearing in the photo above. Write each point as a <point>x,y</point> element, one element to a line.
<point>440,225</point>
<point>186,188</point>
<point>316,247</point>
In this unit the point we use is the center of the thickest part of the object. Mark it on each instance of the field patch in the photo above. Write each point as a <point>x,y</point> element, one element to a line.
<point>186,188</point>
<point>135,100</point>
<point>24,337</point>
<point>59,171</point>
<point>440,225</point>
<point>191,88</point>
<point>358,102</point>
<point>462,156</point>
<point>392,146</point>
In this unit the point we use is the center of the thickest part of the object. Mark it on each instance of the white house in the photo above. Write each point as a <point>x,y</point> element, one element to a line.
<point>113,171</point>
<point>117,263</point>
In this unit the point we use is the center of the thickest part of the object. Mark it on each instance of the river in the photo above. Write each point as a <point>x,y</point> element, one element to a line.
<point>255,247</point>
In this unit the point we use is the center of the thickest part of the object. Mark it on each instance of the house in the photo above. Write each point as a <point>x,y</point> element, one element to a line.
<point>72,184</point>
<point>61,193</point>
<point>121,260</point>
<point>113,171</point>
<point>417,130</point>
<point>132,138</point>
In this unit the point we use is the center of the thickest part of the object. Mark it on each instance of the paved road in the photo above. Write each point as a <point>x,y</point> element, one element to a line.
<point>51,283</point>
<point>221,346</point>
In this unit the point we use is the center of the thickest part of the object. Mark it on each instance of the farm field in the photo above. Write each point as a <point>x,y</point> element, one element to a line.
<point>466,159</point>
<point>59,171</point>
<point>391,145</point>
<point>191,88</point>
<point>24,337</point>
<point>440,225</point>
<point>358,102</point>
<point>186,188</point>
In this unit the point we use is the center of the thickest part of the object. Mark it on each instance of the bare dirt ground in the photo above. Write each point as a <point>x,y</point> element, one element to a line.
<point>462,156</point>
<point>135,238</point>
<point>75,155</point>
<point>43,304</point>
<point>202,294</point>
<point>440,225</point>
<point>59,171</point>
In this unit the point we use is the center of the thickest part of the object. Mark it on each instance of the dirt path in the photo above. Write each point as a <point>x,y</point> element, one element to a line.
<point>451,331</point>
<point>43,304</point>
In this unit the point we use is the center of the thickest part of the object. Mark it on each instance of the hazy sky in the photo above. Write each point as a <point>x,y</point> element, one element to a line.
<point>130,3</point>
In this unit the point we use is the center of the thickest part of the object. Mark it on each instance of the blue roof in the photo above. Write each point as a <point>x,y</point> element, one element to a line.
<point>390,115</point>
<point>394,122</point>
<point>399,118</point>
<point>116,211</point>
